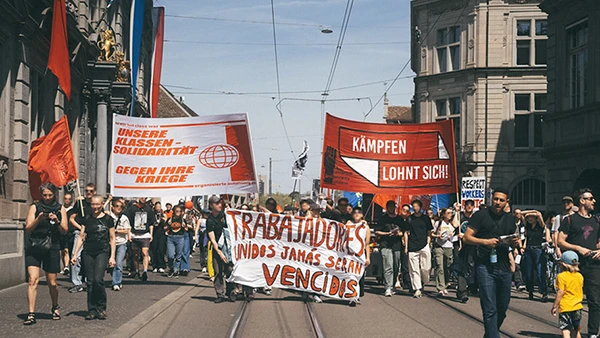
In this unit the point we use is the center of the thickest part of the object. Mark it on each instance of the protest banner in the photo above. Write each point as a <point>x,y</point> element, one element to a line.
<point>182,156</point>
<point>398,159</point>
<point>292,252</point>
<point>472,188</point>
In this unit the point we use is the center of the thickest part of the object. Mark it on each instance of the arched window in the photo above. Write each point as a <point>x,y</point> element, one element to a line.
<point>529,192</point>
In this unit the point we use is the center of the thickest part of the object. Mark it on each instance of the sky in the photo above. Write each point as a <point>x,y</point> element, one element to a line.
<point>203,58</point>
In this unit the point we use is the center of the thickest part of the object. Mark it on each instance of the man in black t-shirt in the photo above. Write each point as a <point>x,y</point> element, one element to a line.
<point>389,232</point>
<point>142,220</point>
<point>580,232</point>
<point>82,208</point>
<point>417,237</point>
<point>492,261</point>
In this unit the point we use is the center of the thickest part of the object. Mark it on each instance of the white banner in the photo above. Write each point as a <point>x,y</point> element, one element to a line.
<point>306,254</point>
<point>472,188</point>
<point>181,156</point>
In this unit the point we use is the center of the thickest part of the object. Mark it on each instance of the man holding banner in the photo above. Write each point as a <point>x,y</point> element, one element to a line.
<point>218,234</point>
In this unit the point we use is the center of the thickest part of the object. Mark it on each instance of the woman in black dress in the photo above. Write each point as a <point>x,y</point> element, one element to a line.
<point>45,221</point>
<point>99,245</point>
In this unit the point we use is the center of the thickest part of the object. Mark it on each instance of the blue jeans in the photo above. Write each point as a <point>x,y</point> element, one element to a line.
<point>535,260</point>
<point>76,269</point>
<point>117,275</point>
<point>175,246</point>
<point>494,295</point>
<point>185,257</point>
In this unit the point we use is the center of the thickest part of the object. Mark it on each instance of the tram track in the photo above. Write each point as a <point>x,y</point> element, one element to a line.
<point>240,319</point>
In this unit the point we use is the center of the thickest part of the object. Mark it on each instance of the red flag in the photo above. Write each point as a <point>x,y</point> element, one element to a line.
<point>51,158</point>
<point>382,199</point>
<point>58,58</point>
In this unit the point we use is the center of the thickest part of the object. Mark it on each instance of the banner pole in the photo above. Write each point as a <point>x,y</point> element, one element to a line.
<point>80,199</point>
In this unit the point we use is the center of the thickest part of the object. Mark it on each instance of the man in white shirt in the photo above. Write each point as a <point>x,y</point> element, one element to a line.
<point>568,209</point>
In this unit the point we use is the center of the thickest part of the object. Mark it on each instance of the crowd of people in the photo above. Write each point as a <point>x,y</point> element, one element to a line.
<point>486,252</point>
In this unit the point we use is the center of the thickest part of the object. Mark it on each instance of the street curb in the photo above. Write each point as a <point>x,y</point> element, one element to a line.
<point>138,322</point>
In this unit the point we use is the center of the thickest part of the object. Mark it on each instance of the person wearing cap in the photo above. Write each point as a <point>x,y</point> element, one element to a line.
<point>569,295</point>
<point>217,231</point>
<point>580,232</point>
<point>567,203</point>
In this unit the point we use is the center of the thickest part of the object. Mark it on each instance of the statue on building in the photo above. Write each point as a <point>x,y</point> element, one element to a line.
<point>107,46</point>
<point>124,67</point>
<point>3,171</point>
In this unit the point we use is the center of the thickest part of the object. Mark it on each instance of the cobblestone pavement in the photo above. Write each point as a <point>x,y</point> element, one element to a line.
<point>123,305</point>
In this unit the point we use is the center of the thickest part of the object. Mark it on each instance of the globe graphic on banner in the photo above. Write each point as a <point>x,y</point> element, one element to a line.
<point>219,156</point>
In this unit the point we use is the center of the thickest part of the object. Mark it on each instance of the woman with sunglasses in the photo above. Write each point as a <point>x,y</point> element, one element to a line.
<point>99,246</point>
<point>45,221</point>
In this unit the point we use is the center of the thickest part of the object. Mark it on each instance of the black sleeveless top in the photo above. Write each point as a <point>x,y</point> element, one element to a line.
<point>45,227</point>
<point>535,236</point>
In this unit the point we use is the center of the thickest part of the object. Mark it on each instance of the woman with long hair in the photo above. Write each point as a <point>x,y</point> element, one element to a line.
<point>175,228</point>
<point>536,234</point>
<point>45,222</point>
<point>99,246</point>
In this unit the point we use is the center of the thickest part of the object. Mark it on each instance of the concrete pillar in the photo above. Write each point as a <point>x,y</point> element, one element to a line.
<point>102,143</point>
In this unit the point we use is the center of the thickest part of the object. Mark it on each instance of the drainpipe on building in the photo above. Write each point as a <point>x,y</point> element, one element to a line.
<point>487,52</point>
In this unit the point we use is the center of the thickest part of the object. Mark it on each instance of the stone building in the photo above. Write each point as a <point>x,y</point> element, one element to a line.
<point>30,100</point>
<point>572,126</point>
<point>483,65</point>
<point>397,114</point>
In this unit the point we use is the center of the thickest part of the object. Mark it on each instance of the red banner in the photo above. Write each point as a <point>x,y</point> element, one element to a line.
<point>398,159</point>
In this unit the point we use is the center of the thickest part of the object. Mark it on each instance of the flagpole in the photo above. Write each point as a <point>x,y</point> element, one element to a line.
<point>80,198</point>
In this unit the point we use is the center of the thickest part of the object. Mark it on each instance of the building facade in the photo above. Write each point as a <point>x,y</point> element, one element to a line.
<point>483,65</point>
<point>31,101</point>
<point>572,126</point>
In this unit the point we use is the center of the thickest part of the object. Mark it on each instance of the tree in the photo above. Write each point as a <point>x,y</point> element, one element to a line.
<point>282,199</point>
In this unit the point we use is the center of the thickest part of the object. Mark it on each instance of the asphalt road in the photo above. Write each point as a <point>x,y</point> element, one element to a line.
<point>184,307</point>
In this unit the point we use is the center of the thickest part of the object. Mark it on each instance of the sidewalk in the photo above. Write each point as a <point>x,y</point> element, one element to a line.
<point>123,305</point>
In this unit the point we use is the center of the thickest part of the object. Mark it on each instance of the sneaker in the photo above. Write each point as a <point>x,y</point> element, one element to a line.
<point>545,299</point>
<point>219,300</point>
<point>161,270</point>
<point>352,302</point>
<point>388,293</point>
<point>155,270</point>
<point>91,315</point>
<point>531,296</point>
<point>101,315</point>
<point>76,288</point>
<point>170,274</point>
<point>268,292</point>
<point>65,271</point>
<point>317,299</point>
<point>116,288</point>
<point>204,270</point>
<point>418,294</point>
<point>464,300</point>
<point>184,273</point>
<point>521,288</point>
<point>144,276</point>
<point>176,274</point>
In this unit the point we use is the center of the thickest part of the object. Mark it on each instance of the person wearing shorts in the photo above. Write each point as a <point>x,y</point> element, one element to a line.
<point>45,222</point>
<point>141,218</point>
<point>569,295</point>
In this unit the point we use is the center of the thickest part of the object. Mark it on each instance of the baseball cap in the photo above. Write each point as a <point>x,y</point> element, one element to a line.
<point>214,199</point>
<point>570,257</point>
<point>567,199</point>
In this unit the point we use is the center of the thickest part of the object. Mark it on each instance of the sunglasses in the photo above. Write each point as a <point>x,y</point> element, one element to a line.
<point>588,198</point>
<point>86,190</point>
